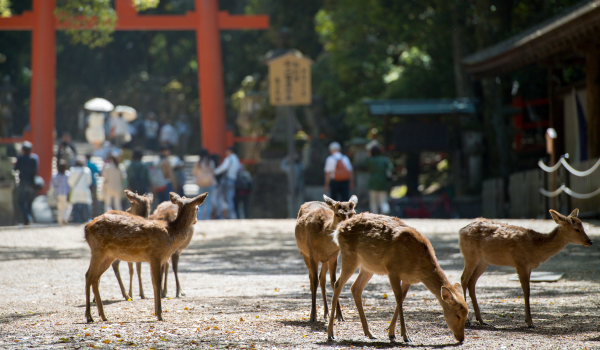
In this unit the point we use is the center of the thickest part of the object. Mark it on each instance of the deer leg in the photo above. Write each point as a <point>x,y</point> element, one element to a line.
<point>396,284</point>
<point>164,269</point>
<point>472,281</point>
<point>130,265</point>
<point>175,261</point>
<point>323,284</point>
<point>155,271</point>
<point>332,269</point>
<point>357,289</point>
<point>90,275</point>
<point>392,329</point>
<point>100,269</point>
<point>349,265</point>
<point>524,276</point>
<point>115,266</point>
<point>471,262</point>
<point>313,275</point>
<point>138,267</point>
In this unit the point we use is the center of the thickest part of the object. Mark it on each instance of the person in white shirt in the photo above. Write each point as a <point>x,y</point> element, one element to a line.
<point>339,175</point>
<point>120,129</point>
<point>229,167</point>
<point>151,131</point>
<point>168,136</point>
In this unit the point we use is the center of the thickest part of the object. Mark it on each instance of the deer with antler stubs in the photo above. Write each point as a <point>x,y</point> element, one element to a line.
<point>484,242</point>
<point>384,245</point>
<point>132,238</point>
<point>316,221</point>
<point>167,211</point>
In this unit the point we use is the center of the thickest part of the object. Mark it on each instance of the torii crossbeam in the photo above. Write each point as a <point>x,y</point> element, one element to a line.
<point>206,20</point>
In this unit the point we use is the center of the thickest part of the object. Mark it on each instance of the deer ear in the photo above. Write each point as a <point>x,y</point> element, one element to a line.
<point>131,196</point>
<point>175,199</point>
<point>330,202</point>
<point>150,196</point>
<point>354,199</point>
<point>558,217</point>
<point>447,296</point>
<point>574,213</point>
<point>200,199</point>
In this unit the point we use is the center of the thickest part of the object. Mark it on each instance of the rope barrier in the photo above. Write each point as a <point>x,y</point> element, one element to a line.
<point>572,170</point>
<point>570,192</point>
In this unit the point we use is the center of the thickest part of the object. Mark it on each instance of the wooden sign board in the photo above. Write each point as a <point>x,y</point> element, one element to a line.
<point>290,80</point>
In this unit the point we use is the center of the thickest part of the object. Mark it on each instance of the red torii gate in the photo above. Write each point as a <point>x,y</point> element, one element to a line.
<point>206,20</point>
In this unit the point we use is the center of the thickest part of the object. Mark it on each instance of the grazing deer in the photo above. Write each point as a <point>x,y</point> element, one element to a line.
<point>167,211</point>
<point>140,206</point>
<point>132,238</point>
<point>484,242</point>
<point>316,221</point>
<point>386,246</point>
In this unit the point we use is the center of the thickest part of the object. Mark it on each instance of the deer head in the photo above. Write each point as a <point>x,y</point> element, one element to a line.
<point>571,227</point>
<point>140,204</point>
<point>188,207</point>
<point>342,210</point>
<point>455,310</point>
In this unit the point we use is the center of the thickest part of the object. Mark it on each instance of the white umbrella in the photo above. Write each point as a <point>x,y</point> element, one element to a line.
<point>128,113</point>
<point>99,105</point>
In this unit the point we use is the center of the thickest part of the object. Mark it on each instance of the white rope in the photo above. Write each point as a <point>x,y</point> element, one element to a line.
<point>572,170</point>
<point>570,192</point>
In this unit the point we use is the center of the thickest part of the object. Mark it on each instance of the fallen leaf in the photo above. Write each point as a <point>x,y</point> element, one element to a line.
<point>106,341</point>
<point>117,335</point>
<point>16,340</point>
<point>103,327</point>
<point>128,299</point>
<point>256,316</point>
<point>64,340</point>
<point>185,308</point>
<point>87,334</point>
<point>215,327</point>
<point>385,296</point>
<point>241,319</point>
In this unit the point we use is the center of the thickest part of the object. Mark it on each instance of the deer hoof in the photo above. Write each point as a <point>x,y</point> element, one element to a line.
<point>340,318</point>
<point>531,326</point>
<point>393,337</point>
<point>407,340</point>
<point>330,338</point>
<point>90,320</point>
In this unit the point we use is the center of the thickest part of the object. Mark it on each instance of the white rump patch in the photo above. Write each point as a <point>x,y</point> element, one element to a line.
<point>334,236</point>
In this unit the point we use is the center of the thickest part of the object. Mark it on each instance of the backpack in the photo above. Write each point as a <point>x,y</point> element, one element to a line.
<point>137,178</point>
<point>243,183</point>
<point>158,182</point>
<point>204,175</point>
<point>341,172</point>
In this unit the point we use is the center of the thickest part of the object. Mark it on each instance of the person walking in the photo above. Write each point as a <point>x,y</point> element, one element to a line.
<point>94,187</point>
<point>298,168</point>
<point>168,135</point>
<point>229,168</point>
<point>119,130</point>
<point>339,176</point>
<point>182,126</point>
<point>151,131</point>
<point>204,173</point>
<point>168,174</point>
<point>60,184</point>
<point>243,187</point>
<point>113,184</point>
<point>380,169</point>
<point>80,197</point>
<point>138,176</point>
<point>27,166</point>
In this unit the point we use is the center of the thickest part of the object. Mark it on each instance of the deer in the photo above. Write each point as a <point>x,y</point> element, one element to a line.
<point>384,245</point>
<point>316,221</point>
<point>167,211</point>
<point>140,206</point>
<point>484,242</point>
<point>132,238</point>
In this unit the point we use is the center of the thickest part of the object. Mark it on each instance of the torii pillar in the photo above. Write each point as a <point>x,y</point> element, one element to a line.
<point>206,20</point>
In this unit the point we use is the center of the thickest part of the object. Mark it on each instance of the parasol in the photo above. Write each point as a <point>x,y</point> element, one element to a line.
<point>99,105</point>
<point>128,113</point>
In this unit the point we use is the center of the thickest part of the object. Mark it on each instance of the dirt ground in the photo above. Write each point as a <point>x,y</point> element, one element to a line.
<point>247,287</point>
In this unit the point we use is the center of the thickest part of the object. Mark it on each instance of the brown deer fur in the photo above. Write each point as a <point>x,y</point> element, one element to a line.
<point>384,245</point>
<point>484,242</point>
<point>132,238</point>
<point>167,211</point>
<point>140,206</point>
<point>316,221</point>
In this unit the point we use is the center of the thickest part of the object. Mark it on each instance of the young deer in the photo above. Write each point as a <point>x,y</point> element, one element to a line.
<point>167,211</point>
<point>386,246</point>
<point>316,221</point>
<point>132,238</point>
<point>484,242</point>
<point>140,206</point>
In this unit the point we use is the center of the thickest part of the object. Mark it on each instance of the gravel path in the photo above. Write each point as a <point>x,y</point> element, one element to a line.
<point>247,287</point>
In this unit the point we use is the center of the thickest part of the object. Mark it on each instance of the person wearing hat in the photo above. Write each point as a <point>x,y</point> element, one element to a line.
<point>339,176</point>
<point>27,166</point>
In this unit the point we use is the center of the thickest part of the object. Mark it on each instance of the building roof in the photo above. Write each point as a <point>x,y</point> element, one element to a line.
<point>577,25</point>
<point>421,107</point>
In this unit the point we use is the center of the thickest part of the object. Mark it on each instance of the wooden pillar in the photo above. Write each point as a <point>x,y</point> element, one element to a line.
<point>43,89</point>
<point>210,77</point>
<point>592,76</point>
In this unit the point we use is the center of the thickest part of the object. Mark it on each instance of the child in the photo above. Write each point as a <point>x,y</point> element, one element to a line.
<point>60,183</point>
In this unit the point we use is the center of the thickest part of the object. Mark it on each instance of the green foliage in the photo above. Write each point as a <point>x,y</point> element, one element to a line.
<point>5,8</point>
<point>96,16</point>
<point>143,5</point>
